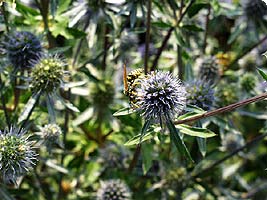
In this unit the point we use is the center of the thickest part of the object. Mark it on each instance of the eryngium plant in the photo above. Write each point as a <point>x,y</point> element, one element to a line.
<point>113,189</point>
<point>50,134</point>
<point>209,70</point>
<point>161,96</point>
<point>22,48</point>
<point>16,154</point>
<point>248,82</point>
<point>47,75</point>
<point>200,93</point>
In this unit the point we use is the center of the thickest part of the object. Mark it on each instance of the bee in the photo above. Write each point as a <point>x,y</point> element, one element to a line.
<point>131,81</point>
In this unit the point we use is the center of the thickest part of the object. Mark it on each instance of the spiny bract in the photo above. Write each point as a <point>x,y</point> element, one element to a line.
<point>160,95</point>
<point>16,154</point>
<point>114,189</point>
<point>22,48</point>
<point>200,93</point>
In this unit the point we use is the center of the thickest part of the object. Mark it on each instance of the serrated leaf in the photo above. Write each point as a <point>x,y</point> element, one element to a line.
<point>176,139</point>
<point>262,73</point>
<point>195,131</point>
<point>124,111</point>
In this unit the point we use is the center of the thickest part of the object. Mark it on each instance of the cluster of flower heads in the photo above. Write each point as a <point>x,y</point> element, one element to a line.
<point>200,93</point>
<point>22,48</point>
<point>114,189</point>
<point>209,70</point>
<point>17,155</point>
<point>24,51</point>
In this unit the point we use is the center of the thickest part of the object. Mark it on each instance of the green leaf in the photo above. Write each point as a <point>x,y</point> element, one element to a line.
<point>161,24</point>
<point>189,115</point>
<point>136,139</point>
<point>192,27</point>
<point>53,7</point>
<point>4,195</point>
<point>262,73</point>
<point>193,108</point>
<point>202,145</point>
<point>176,139</point>
<point>28,107</point>
<point>194,9</point>
<point>179,38</point>
<point>140,137</point>
<point>76,33</point>
<point>147,151</point>
<point>195,131</point>
<point>124,111</point>
<point>84,116</point>
<point>237,31</point>
<point>26,10</point>
<point>133,15</point>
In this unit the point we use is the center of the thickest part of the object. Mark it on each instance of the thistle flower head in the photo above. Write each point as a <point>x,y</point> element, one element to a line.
<point>200,93</point>
<point>255,10</point>
<point>113,189</point>
<point>161,94</point>
<point>209,70</point>
<point>248,82</point>
<point>103,93</point>
<point>16,154</point>
<point>22,48</point>
<point>50,133</point>
<point>226,94</point>
<point>47,75</point>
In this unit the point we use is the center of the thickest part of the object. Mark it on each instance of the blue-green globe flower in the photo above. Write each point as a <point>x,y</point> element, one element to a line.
<point>17,155</point>
<point>47,75</point>
<point>22,48</point>
<point>209,70</point>
<point>248,82</point>
<point>113,189</point>
<point>160,95</point>
<point>200,94</point>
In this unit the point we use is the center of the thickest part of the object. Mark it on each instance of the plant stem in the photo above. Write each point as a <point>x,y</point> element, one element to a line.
<point>3,9</point>
<point>64,131</point>
<point>206,30</point>
<point>247,145</point>
<point>4,103</point>
<point>135,158</point>
<point>167,37</point>
<point>148,23</point>
<point>224,109</point>
<point>247,51</point>
<point>105,47</point>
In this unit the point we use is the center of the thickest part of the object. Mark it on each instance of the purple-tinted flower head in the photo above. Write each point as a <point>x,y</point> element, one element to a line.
<point>200,93</point>
<point>161,94</point>
<point>23,47</point>
<point>16,154</point>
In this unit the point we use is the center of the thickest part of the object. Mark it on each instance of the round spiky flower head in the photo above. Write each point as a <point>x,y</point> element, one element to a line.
<point>248,82</point>
<point>47,75</point>
<point>209,70</point>
<point>114,189</point>
<point>226,94</point>
<point>16,154</point>
<point>256,10</point>
<point>50,133</point>
<point>160,95</point>
<point>22,47</point>
<point>200,93</point>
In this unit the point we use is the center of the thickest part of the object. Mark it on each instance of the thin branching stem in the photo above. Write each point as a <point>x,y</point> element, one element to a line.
<point>3,100</point>
<point>167,37</point>
<point>228,156</point>
<point>148,23</point>
<point>224,109</point>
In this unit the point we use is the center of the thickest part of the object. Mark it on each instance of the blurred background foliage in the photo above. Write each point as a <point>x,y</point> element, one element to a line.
<point>220,42</point>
